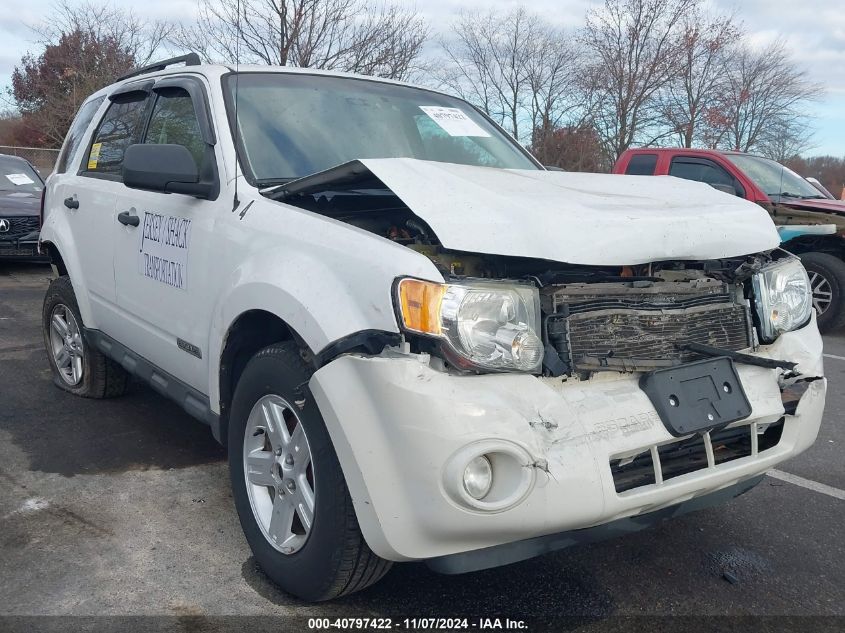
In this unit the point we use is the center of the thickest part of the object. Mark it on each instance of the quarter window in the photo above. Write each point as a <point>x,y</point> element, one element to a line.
<point>174,121</point>
<point>121,127</point>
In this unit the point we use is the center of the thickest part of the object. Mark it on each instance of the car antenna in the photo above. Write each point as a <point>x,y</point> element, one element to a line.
<point>235,201</point>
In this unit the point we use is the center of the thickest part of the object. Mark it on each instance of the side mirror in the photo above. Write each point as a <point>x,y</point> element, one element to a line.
<point>724,188</point>
<point>164,168</point>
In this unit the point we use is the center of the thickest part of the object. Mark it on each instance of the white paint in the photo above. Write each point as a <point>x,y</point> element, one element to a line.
<point>395,422</point>
<point>163,247</point>
<point>834,357</point>
<point>20,179</point>
<point>454,121</point>
<point>597,219</point>
<point>809,484</point>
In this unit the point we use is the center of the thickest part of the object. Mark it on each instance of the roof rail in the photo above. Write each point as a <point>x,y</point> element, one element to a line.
<point>191,59</point>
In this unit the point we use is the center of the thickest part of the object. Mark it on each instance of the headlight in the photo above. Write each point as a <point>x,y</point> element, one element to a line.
<point>783,297</point>
<point>484,325</point>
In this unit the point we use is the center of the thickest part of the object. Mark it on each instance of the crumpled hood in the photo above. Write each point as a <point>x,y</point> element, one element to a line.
<point>577,218</point>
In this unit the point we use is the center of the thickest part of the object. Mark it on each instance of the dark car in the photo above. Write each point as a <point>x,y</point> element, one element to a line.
<point>20,208</point>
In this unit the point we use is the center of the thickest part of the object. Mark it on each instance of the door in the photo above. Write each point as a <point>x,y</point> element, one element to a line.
<point>87,193</point>
<point>163,266</point>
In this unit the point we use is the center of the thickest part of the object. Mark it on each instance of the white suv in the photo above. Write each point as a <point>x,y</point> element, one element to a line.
<point>417,343</point>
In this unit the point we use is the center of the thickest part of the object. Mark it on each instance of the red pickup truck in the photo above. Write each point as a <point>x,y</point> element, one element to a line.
<point>790,199</point>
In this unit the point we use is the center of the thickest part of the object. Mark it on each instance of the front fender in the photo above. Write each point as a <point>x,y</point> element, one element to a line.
<point>323,292</point>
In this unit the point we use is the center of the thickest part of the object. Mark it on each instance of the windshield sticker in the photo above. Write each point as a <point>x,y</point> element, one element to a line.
<point>20,179</point>
<point>94,156</point>
<point>454,121</point>
<point>163,249</point>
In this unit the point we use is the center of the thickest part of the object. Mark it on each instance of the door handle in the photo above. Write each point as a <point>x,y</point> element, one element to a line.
<point>129,220</point>
<point>71,203</point>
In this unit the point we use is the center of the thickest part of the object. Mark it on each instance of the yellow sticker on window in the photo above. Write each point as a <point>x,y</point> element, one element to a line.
<point>94,156</point>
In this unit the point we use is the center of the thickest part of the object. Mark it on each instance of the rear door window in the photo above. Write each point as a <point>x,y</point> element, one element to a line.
<point>641,165</point>
<point>122,126</point>
<point>74,136</point>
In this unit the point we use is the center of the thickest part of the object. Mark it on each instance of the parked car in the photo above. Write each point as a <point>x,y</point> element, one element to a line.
<point>21,189</point>
<point>416,342</point>
<point>788,197</point>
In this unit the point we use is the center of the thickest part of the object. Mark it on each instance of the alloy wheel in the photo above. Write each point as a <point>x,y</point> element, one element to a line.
<point>279,473</point>
<point>66,345</point>
<point>822,292</point>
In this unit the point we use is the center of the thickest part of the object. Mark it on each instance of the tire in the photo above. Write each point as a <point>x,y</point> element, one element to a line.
<point>89,373</point>
<point>827,277</point>
<point>329,558</point>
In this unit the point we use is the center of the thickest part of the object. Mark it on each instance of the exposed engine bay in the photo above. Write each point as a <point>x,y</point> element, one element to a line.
<point>629,318</point>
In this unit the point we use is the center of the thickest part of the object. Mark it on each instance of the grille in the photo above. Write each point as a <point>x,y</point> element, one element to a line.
<point>660,463</point>
<point>630,340</point>
<point>19,227</point>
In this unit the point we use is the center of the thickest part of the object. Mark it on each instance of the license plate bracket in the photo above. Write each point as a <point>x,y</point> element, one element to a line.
<point>697,397</point>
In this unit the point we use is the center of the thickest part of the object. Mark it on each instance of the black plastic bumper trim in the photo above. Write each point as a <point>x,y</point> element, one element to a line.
<point>509,553</point>
<point>366,341</point>
<point>195,403</point>
<point>739,357</point>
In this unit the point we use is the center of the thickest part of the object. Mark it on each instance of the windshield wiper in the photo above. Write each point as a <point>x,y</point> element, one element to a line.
<point>272,182</point>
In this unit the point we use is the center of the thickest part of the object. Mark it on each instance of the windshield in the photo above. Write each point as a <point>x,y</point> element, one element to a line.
<point>773,178</point>
<point>295,125</point>
<point>16,175</point>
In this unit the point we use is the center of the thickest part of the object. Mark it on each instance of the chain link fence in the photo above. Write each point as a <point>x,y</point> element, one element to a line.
<point>42,159</point>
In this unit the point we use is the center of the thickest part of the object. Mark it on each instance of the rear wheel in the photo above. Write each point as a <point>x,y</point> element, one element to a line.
<point>827,280</point>
<point>77,367</point>
<point>288,486</point>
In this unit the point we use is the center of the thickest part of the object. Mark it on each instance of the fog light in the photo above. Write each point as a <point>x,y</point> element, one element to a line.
<point>478,477</point>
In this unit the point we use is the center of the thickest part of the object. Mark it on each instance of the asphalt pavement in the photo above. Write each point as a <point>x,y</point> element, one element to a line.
<point>123,508</point>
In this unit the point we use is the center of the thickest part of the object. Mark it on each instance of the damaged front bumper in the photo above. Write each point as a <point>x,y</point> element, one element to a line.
<point>403,431</point>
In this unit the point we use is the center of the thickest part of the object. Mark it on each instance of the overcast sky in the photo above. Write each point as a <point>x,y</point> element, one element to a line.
<point>815,31</point>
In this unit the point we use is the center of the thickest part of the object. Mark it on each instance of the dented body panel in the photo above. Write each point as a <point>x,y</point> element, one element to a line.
<point>395,421</point>
<point>562,216</point>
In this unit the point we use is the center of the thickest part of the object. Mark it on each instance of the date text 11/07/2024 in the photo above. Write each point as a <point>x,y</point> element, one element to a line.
<point>428,624</point>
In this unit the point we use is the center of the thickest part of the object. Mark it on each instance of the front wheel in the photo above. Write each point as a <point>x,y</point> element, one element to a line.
<point>827,280</point>
<point>288,486</point>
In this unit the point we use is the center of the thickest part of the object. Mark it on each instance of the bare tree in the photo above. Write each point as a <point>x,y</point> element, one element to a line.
<point>139,38</point>
<point>636,52</point>
<point>348,35</point>
<point>706,44</point>
<point>84,47</point>
<point>787,137</point>
<point>573,148</point>
<point>517,67</point>
<point>765,94</point>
